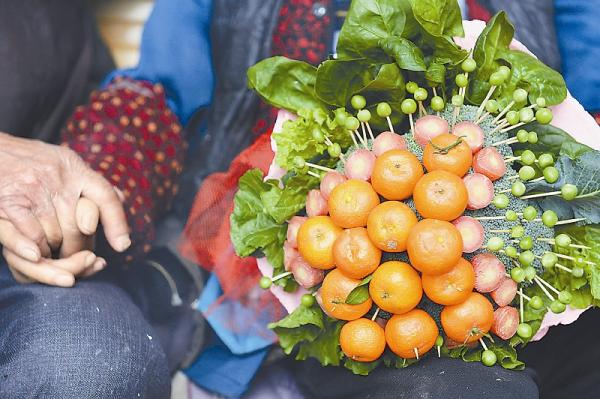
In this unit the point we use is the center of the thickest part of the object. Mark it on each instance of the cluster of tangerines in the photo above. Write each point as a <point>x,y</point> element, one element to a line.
<point>349,227</point>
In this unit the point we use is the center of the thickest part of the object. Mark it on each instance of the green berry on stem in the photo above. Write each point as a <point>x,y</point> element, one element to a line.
<point>488,358</point>
<point>511,252</point>
<point>551,174</point>
<point>518,188</point>
<point>577,271</point>
<point>517,274</point>
<point>579,261</point>
<point>341,117</point>
<point>421,94</point>
<point>511,215</point>
<point>557,306</point>
<point>461,80</point>
<point>526,258</point>
<point>548,260</point>
<point>384,110</point>
<point>358,101</point>
<point>529,273</point>
<point>522,136</point>
<point>307,300</point>
<point>408,106</point>
<point>549,218</point>
<point>500,201</point>
<point>468,65</point>
<point>562,240</point>
<point>457,100</point>
<point>299,162</point>
<point>496,79</point>
<point>439,341</point>
<point>318,135</point>
<point>437,103</point>
<point>543,116</point>
<point>520,95</point>
<point>265,282</point>
<point>532,137</point>
<point>512,117</point>
<point>529,213</point>
<point>526,115</point>
<point>545,160</point>
<point>526,173</point>
<point>334,150</point>
<point>491,106</point>
<point>364,115</point>
<point>352,123</point>
<point>517,231</point>
<point>565,297</point>
<point>411,87</point>
<point>504,71</point>
<point>526,243</point>
<point>536,302</point>
<point>540,102</point>
<point>495,244</point>
<point>569,191</point>
<point>524,331</point>
<point>528,157</point>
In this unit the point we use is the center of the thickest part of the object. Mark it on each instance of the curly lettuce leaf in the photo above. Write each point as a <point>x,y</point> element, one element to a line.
<point>506,354</point>
<point>297,139</point>
<point>285,83</point>
<point>283,203</point>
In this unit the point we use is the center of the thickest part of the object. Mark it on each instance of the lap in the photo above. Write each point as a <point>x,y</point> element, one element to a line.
<point>84,341</point>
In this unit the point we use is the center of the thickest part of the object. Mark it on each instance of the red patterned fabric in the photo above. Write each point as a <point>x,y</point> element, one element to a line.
<point>128,133</point>
<point>477,11</point>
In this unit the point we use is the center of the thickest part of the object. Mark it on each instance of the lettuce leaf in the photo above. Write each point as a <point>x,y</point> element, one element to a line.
<point>553,140</point>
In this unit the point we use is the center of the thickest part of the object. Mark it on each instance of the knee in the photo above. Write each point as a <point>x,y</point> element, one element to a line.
<point>88,341</point>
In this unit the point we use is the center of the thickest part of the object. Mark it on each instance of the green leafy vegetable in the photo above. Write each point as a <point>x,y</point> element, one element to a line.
<point>553,140</point>
<point>361,368</point>
<point>439,17</point>
<point>285,83</point>
<point>360,293</point>
<point>304,324</point>
<point>283,203</point>
<point>406,54</point>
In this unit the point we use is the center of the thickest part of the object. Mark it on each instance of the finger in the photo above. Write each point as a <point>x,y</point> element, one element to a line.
<point>87,216</point>
<point>73,239</point>
<point>99,265</point>
<point>43,272</point>
<point>26,223</point>
<point>112,215</point>
<point>119,194</point>
<point>13,240</point>
<point>47,217</point>
<point>75,264</point>
<point>19,277</point>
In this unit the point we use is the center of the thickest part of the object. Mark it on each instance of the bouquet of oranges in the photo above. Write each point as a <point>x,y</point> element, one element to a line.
<point>421,200</point>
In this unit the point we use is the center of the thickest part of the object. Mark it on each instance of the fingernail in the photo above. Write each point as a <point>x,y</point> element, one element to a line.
<point>30,254</point>
<point>100,264</point>
<point>90,259</point>
<point>64,280</point>
<point>123,242</point>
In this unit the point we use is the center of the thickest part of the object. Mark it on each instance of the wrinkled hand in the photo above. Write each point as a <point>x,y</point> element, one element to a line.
<point>40,186</point>
<point>59,272</point>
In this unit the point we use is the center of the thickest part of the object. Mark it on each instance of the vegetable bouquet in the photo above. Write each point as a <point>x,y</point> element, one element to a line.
<point>425,198</point>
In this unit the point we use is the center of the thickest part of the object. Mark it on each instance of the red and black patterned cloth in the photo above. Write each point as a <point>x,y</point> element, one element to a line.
<point>128,133</point>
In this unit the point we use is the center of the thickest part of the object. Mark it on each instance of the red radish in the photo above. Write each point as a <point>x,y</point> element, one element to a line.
<point>428,127</point>
<point>480,190</point>
<point>471,231</point>
<point>489,272</point>
<point>292,232</point>
<point>289,255</point>
<point>505,293</point>
<point>359,165</point>
<point>316,205</point>
<point>305,275</point>
<point>488,161</point>
<point>329,182</point>
<point>388,141</point>
<point>506,322</point>
<point>471,133</point>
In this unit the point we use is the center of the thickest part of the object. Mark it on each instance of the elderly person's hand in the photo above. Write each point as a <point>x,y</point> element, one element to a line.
<point>40,186</point>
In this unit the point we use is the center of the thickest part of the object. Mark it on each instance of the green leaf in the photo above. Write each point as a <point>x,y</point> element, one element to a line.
<point>585,174</point>
<point>338,80</point>
<point>361,368</point>
<point>251,228</point>
<point>439,17</point>
<point>406,54</point>
<point>534,76</point>
<point>304,324</point>
<point>390,359</point>
<point>285,83</point>
<point>283,203</point>
<point>325,347</point>
<point>360,293</point>
<point>553,140</point>
<point>368,22</point>
<point>436,72</point>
